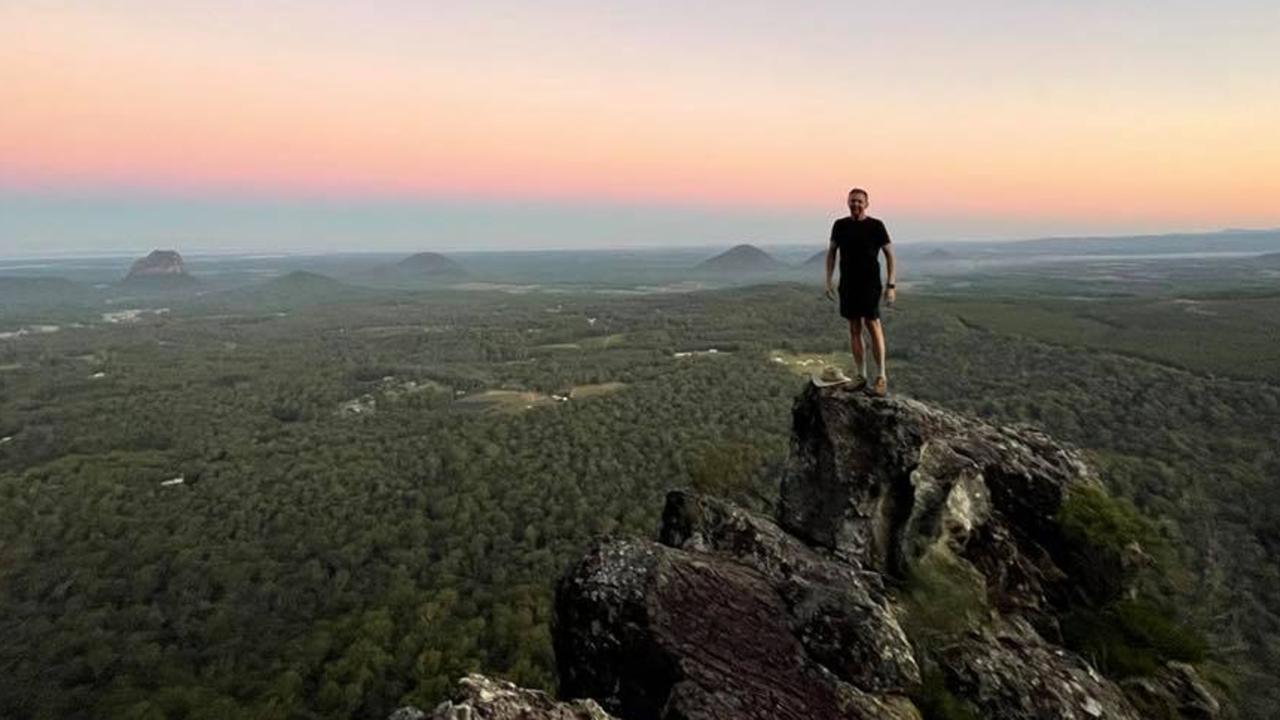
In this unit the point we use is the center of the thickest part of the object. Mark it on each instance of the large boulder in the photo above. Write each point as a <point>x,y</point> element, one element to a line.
<point>1009,673</point>
<point>864,469</point>
<point>654,632</point>
<point>882,481</point>
<point>839,613</point>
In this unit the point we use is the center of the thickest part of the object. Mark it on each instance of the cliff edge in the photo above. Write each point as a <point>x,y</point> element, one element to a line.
<point>922,564</point>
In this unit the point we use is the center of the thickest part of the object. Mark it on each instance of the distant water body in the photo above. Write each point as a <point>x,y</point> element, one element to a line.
<point>1094,257</point>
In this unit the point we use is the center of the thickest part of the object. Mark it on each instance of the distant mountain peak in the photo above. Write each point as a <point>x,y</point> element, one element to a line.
<point>741,258</point>
<point>158,263</point>
<point>430,264</point>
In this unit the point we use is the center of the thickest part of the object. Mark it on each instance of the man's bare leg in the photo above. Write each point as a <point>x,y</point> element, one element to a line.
<point>877,349</point>
<point>857,348</point>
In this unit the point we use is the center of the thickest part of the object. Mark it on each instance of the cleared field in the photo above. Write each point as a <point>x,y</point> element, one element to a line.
<point>514,401</point>
<point>811,363</point>
<point>511,401</point>
<point>602,342</point>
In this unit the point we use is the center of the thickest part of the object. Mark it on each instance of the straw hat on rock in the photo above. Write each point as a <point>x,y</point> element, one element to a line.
<point>830,376</point>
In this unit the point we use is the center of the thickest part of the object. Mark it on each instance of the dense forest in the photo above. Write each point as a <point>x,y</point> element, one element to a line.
<point>378,489</point>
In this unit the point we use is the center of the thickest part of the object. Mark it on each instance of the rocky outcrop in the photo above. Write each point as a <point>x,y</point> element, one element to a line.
<point>884,482</point>
<point>919,559</point>
<point>1010,672</point>
<point>652,631</point>
<point>839,613</point>
<point>876,481</point>
<point>157,263</point>
<point>482,698</point>
<point>1176,691</point>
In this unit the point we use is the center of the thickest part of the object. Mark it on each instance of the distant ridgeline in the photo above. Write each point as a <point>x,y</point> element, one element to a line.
<point>163,271</point>
<point>920,564</point>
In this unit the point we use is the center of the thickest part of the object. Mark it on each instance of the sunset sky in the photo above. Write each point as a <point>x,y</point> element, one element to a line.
<point>325,125</point>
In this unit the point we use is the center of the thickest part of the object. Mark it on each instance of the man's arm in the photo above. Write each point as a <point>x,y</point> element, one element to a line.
<point>891,270</point>
<point>832,249</point>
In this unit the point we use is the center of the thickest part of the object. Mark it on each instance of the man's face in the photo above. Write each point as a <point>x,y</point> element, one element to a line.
<point>857,204</point>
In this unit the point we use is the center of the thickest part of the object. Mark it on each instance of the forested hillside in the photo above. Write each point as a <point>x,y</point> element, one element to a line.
<point>376,495</point>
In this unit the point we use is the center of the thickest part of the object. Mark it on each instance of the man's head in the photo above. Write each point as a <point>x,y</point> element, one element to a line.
<point>858,202</point>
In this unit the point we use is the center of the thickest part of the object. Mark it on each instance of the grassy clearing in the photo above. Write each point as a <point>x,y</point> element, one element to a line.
<point>514,401</point>
<point>603,342</point>
<point>811,363</point>
<point>509,401</point>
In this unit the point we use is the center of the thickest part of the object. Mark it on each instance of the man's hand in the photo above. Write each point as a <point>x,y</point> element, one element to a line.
<point>890,295</point>
<point>830,292</point>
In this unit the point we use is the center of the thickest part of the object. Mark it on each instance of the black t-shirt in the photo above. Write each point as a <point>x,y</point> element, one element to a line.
<point>859,243</point>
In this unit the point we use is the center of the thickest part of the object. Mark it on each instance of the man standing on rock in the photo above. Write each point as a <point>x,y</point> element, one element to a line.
<point>859,239</point>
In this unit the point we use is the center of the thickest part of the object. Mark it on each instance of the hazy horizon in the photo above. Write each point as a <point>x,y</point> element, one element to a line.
<point>36,226</point>
<point>405,126</point>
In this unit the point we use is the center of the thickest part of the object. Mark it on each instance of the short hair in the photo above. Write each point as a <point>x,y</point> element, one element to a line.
<point>861,192</point>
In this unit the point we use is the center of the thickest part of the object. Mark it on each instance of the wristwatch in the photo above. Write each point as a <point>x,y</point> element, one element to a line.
<point>891,286</point>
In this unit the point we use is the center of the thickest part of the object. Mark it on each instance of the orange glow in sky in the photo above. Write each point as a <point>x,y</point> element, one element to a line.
<point>939,113</point>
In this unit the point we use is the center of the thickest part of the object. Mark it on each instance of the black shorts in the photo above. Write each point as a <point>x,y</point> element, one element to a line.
<point>859,300</point>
